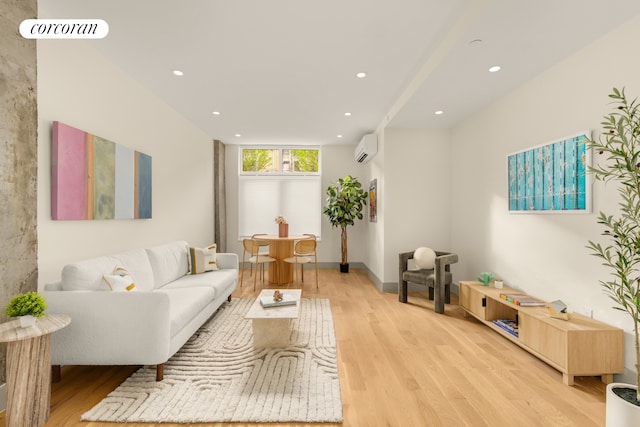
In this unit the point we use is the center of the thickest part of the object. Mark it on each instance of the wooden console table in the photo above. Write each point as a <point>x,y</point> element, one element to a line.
<point>580,346</point>
<point>29,369</point>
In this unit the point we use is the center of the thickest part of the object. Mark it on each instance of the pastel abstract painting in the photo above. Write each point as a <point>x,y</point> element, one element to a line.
<point>94,178</point>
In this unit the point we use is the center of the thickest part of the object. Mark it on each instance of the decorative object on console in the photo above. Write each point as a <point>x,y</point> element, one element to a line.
<point>93,178</point>
<point>551,178</point>
<point>620,145</point>
<point>345,200</point>
<point>27,307</point>
<point>558,310</point>
<point>498,284</point>
<point>485,278</point>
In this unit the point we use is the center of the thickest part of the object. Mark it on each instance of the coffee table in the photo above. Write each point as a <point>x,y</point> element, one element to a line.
<point>272,326</point>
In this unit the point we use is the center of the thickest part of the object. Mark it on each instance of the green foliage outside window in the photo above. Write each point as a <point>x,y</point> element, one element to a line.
<point>258,160</point>
<point>304,160</point>
<point>265,160</point>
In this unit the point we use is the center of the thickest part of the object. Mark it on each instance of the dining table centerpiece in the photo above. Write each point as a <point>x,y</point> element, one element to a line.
<point>283,226</point>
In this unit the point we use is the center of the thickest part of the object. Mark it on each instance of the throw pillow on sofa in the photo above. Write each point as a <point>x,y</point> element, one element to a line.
<point>202,260</point>
<point>120,280</point>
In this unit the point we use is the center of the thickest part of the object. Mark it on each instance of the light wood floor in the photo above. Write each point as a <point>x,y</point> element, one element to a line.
<point>400,365</point>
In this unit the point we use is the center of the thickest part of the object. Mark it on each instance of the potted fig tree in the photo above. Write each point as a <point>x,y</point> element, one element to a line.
<point>345,201</point>
<point>618,152</point>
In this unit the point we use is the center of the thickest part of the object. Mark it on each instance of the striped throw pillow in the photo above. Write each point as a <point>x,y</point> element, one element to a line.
<point>202,260</point>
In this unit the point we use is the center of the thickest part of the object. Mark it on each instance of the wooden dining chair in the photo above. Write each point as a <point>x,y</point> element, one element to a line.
<point>263,248</point>
<point>252,247</point>
<point>304,252</point>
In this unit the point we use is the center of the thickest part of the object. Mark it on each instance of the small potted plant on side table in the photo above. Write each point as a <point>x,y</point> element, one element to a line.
<point>27,307</point>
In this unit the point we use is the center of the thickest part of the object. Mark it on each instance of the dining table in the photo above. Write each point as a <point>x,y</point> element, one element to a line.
<point>280,248</point>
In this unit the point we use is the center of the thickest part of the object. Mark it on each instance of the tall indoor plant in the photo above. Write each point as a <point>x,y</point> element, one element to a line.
<point>345,201</point>
<point>620,144</point>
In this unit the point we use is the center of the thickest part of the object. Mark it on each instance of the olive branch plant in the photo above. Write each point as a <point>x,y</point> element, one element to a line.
<point>620,144</point>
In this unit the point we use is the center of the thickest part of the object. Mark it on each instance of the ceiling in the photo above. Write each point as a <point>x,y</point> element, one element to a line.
<point>284,71</point>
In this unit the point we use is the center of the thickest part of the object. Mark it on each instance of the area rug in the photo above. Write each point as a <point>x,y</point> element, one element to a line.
<point>218,376</point>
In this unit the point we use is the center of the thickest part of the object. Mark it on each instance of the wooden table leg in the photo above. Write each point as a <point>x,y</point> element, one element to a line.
<point>280,250</point>
<point>29,381</point>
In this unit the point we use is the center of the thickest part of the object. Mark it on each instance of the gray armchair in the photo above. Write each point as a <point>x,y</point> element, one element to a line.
<point>438,279</point>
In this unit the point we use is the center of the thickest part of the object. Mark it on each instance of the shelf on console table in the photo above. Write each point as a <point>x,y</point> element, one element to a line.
<point>580,346</point>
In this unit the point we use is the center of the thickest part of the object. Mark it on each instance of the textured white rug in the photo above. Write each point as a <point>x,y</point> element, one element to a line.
<point>218,376</point>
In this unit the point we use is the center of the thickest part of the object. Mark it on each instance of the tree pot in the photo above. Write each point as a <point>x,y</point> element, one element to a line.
<point>619,412</point>
<point>344,268</point>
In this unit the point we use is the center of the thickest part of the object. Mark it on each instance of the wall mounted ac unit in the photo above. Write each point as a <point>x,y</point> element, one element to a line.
<point>366,148</point>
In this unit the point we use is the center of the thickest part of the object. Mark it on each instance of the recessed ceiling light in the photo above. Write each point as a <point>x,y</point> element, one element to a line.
<point>439,112</point>
<point>347,114</point>
<point>474,41</point>
<point>494,69</point>
<point>238,135</point>
<point>216,113</point>
<point>361,75</point>
<point>178,73</point>
<point>339,136</point>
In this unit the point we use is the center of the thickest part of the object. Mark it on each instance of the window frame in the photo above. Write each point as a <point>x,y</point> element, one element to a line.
<point>280,174</point>
<point>280,149</point>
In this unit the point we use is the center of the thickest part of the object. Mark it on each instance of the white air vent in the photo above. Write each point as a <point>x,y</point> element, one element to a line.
<point>367,148</point>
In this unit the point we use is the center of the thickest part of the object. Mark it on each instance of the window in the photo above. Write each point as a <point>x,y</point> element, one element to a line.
<point>267,160</point>
<point>276,181</point>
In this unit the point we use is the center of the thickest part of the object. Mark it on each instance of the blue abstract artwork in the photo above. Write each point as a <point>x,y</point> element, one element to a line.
<point>551,178</point>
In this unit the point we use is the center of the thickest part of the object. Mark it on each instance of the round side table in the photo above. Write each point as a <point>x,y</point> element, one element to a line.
<point>29,369</point>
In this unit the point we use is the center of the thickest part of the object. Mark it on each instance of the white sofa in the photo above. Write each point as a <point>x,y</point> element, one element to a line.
<point>145,327</point>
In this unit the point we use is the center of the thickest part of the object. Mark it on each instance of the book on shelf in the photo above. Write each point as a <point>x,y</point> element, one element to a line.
<point>268,301</point>
<point>508,325</point>
<point>523,300</point>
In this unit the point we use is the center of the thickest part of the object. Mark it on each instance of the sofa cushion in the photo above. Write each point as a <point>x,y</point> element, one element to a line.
<point>136,263</point>
<point>185,304</point>
<point>425,277</point>
<point>168,262</point>
<point>202,260</point>
<point>218,280</point>
<point>87,274</point>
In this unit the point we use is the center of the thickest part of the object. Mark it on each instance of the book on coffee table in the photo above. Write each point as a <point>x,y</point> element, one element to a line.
<point>268,301</point>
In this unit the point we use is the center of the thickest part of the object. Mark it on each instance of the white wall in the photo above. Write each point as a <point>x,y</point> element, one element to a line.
<point>544,255</point>
<point>374,259</point>
<point>336,162</point>
<point>417,194</point>
<point>79,87</point>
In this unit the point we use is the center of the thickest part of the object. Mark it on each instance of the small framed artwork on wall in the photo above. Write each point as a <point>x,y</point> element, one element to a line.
<point>551,177</point>
<point>373,200</point>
